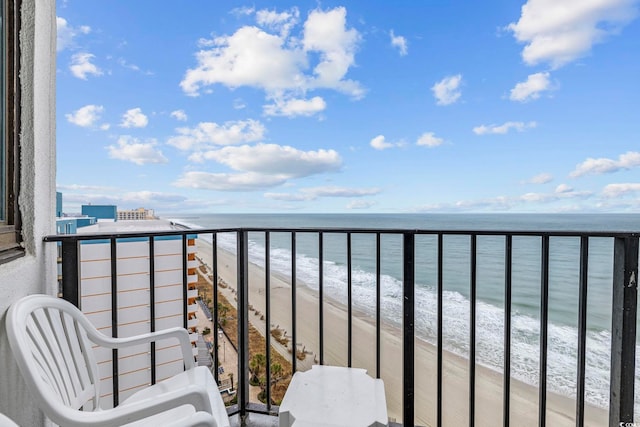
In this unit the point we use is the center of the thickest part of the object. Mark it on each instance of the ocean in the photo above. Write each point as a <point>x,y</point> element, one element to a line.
<point>526,272</point>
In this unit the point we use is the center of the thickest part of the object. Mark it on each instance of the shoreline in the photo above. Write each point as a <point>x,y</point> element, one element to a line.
<point>489,390</point>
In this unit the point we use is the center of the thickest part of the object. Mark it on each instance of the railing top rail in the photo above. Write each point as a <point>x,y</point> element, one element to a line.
<point>328,230</point>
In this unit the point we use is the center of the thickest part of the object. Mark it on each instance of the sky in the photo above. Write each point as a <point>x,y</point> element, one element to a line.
<point>350,106</point>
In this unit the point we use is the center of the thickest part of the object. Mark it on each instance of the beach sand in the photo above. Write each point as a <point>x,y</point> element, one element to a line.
<point>455,400</point>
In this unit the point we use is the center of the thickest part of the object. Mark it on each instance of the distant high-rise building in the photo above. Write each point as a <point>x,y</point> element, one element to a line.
<point>135,214</point>
<point>58,204</point>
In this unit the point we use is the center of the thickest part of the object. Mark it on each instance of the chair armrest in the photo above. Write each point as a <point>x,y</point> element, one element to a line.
<point>193,395</point>
<point>180,334</point>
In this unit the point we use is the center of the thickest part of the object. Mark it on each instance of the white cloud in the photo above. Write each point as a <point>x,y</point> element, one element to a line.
<point>207,135</point>
<point>295,107</point>
<point>558,32</point>
<point>617,190</point>
<point>446,91</point>
<point>542,178</point>
<point>561,193</point>
<point>503,128</point>
<point>314,193</point>
<point>491,204</point>
<point>505,203</point>
<point>86,116</point>
<point>146,198</point>
<point>360,204</point>
<point>341,191</point>
<point>66,33</point>
<point>239,104</point>
<point>279,63</point>
<point>564,188</point>
<point>273,159</point>
<point>123,63</point>
<point>83,187</point>
<point>591,166</point>
<point>81,66</point>
<point>281,22</point>
<point>428,139</point>
<point>132,150</point>
<point>531,88</point>
<point>288,197</point>
<point>380,143</point>
<point>134,118</point>
<point>524,202</point>
<point>399,42</point>
<point>327,34</point>
<point>249,57</point>
<point>249,181</point>
<point>499,203</point>
<point>241,11</point>
<point>179,115</point>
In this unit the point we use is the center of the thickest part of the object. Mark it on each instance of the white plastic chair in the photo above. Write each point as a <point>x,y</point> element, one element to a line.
<point>7,422</point>
<point>52,343</point>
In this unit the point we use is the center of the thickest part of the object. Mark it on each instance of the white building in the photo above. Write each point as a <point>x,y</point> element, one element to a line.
<point>135,214</point>
<point>134,299</point>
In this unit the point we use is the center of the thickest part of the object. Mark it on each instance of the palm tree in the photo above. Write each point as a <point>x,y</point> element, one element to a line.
<point>258,361</point>
<point>222,313</point>
<point>276,371</point>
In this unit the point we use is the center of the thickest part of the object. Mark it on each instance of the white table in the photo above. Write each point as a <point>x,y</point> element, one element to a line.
<point>334,396</point>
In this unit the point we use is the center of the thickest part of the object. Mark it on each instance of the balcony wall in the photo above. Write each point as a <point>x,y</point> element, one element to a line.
<point>35,272</point>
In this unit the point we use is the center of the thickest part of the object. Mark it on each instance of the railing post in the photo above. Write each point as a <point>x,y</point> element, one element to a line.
<point>582,329</point>
<point>267,313</point>
<point>294,336</point>
<point>544,332</point>
<point>506,376</point>
<point>70,272</point>
<point>243,321</point>
<point>215,322</point>
<point>185,283</point>
<point>623,330</point>
<point>408,316</point>
<point>152,304</point>
<point>115,371</point>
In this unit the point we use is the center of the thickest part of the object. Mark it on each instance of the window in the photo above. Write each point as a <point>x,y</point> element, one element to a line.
<point>10,225</point>
<point>2,91</point>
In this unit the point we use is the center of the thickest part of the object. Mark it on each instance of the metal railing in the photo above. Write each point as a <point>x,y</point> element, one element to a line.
<point>623,312</point>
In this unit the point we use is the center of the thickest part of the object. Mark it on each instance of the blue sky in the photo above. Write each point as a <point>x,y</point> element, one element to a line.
<point>351,106</point>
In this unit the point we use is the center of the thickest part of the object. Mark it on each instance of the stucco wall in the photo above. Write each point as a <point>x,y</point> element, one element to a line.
<point>36,271</point>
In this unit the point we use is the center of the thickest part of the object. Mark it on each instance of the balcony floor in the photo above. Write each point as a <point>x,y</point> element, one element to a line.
<point>261,420</point>
<point>255,420</point>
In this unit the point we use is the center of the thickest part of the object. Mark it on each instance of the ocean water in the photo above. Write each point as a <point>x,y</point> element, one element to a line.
<point>526,273</point>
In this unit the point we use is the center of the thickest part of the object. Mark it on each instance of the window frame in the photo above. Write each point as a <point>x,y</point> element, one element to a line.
<point>11,223</point>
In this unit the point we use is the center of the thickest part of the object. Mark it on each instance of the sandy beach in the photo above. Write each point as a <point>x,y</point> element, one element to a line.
<point>488,404</point>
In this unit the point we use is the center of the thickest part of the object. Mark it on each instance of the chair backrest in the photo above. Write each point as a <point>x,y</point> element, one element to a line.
<point>48,337</point>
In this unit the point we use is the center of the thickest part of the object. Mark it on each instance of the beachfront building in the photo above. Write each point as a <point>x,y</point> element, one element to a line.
<point>142,306</point>
<point>136,214</point>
